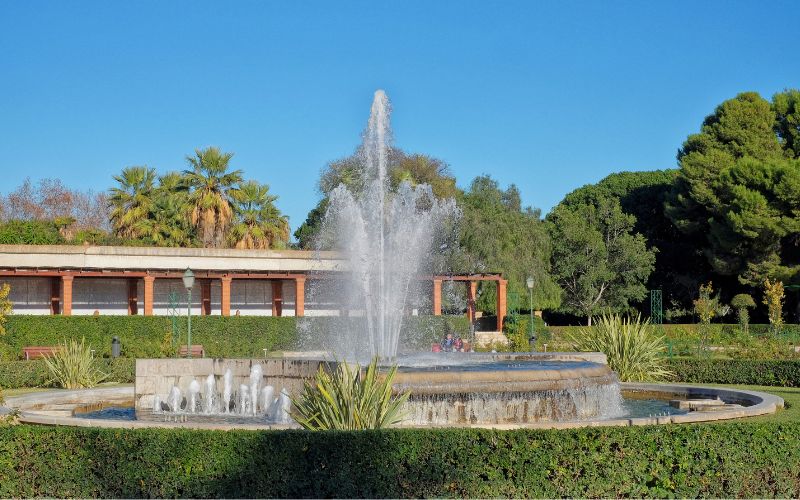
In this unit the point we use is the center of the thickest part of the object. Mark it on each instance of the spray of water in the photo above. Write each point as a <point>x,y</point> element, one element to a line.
<point>388,240</point>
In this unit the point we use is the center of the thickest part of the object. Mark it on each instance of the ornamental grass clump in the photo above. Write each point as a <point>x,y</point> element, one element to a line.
<point>349,398</point>
<point>73,366</point>
<point>633,348</point>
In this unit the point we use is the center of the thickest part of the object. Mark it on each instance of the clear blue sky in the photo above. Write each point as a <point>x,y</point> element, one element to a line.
<point>549,96</point>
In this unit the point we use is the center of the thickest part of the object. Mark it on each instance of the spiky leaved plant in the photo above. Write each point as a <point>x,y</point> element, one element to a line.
<point>632,346</point>
<point>73,366</point>
<point>349,398</point>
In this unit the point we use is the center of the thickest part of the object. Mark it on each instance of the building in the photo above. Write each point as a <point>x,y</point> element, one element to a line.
<point>108,280</point>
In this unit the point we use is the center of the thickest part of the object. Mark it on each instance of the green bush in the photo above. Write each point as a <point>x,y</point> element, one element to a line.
<point>29,232</point>
<point>633,348</point>
<point>242,336</point>
<point>73,366</point>
<point>34,373</point>
<point>730,460</point>
<point>346,397</point>
<point>782,373</point>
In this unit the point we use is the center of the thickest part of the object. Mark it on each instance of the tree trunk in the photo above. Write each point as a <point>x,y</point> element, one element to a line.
<point>589,320</point>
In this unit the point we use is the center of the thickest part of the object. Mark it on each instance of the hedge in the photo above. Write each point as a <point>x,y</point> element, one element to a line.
<point>34,373</point>
<point>17,374</point>
<point>242,336</point>
<point>719,460</point>
<point>736,371</point>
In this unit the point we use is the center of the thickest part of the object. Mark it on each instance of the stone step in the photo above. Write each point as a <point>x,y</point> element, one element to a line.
<point>694,404</point>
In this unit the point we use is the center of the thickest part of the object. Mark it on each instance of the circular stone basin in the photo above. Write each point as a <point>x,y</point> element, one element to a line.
<point>519,390</point>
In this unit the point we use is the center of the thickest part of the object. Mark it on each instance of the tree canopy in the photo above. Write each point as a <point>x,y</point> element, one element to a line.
<point>597,260</point>
<point>498,235</point>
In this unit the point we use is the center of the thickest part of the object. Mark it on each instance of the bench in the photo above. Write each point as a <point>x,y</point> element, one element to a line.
<point>197,351</point>
<point>34,352</point>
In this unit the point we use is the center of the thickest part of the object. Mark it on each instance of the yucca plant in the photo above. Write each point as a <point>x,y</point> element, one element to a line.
<point>632,346</point>
<point>73,366</point>
<point>349,398</point>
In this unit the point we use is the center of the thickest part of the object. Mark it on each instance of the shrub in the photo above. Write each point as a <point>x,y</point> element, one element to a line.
<point>516,328</point>
<point>349,398</point>
<point>736,371</point>
<point>242,336</point>
<point>30,232</point>
<point>34,373</point>
<point>723,460</point>
<point>74,367</point>
<point>634,350</point>
<point>5,306</point>
<point>773,299</point>
<point>742,302</point>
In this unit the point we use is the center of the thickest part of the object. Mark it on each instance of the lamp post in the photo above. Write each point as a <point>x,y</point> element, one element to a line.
<point>531,331</point>
<point>188,282</point>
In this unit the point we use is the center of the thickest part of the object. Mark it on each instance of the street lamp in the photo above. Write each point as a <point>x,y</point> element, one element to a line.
<point>531,331</point>
<point>188,282</point>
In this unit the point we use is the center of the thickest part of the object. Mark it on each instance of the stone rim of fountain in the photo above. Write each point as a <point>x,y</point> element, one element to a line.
<point>33,412</point>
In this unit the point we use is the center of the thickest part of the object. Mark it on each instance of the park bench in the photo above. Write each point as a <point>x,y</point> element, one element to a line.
<point>196,350</point>
<point>34,352</point>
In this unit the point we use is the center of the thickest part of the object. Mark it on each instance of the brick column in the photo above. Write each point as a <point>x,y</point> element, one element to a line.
<point>501,303</point>
<point>66,295</point>
<point>133,296</point>
<point>437,297</point>
<point>277,297</point>
<point>300,296</point>
<point>472,291</point>
<point>225,299</point>
<point>148,295</point>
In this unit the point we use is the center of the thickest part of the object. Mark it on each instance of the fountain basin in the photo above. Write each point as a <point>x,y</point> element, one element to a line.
<point>56,408</point>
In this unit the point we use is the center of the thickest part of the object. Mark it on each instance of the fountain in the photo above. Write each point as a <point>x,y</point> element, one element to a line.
<point>390,239</point>
<point>387,239</point>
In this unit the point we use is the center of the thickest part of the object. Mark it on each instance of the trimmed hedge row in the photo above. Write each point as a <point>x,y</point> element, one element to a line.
<point>726,329</point>
<point>17,374</point>
<point>736,371</point>
<point>730,460</point>
<point>242,336</point>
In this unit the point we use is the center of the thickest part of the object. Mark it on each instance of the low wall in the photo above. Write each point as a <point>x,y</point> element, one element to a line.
<point>156,377</point>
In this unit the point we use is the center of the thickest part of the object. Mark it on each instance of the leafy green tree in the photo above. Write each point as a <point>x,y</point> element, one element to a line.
<point>132,201</point>
<point>258,223</point>
<point>597,260</point>
<point>210,184</point>
<point>349,171</point>
<point>498,235</point>
<point>786,105</point>
<point>742,302</point>
<point>740,127</point>
<point>30,232</point>
<point>307,232</point>
<point>757,230</point>
<point>680,267</point>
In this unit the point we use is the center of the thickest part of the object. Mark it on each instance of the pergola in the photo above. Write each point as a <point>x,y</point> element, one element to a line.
<point>141,267</point>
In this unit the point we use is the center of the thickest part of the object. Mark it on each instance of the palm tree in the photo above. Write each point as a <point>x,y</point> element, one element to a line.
<point>259,224</point>
<point>209,185</point>
<point>168,224</point>
<point>132,201</point>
